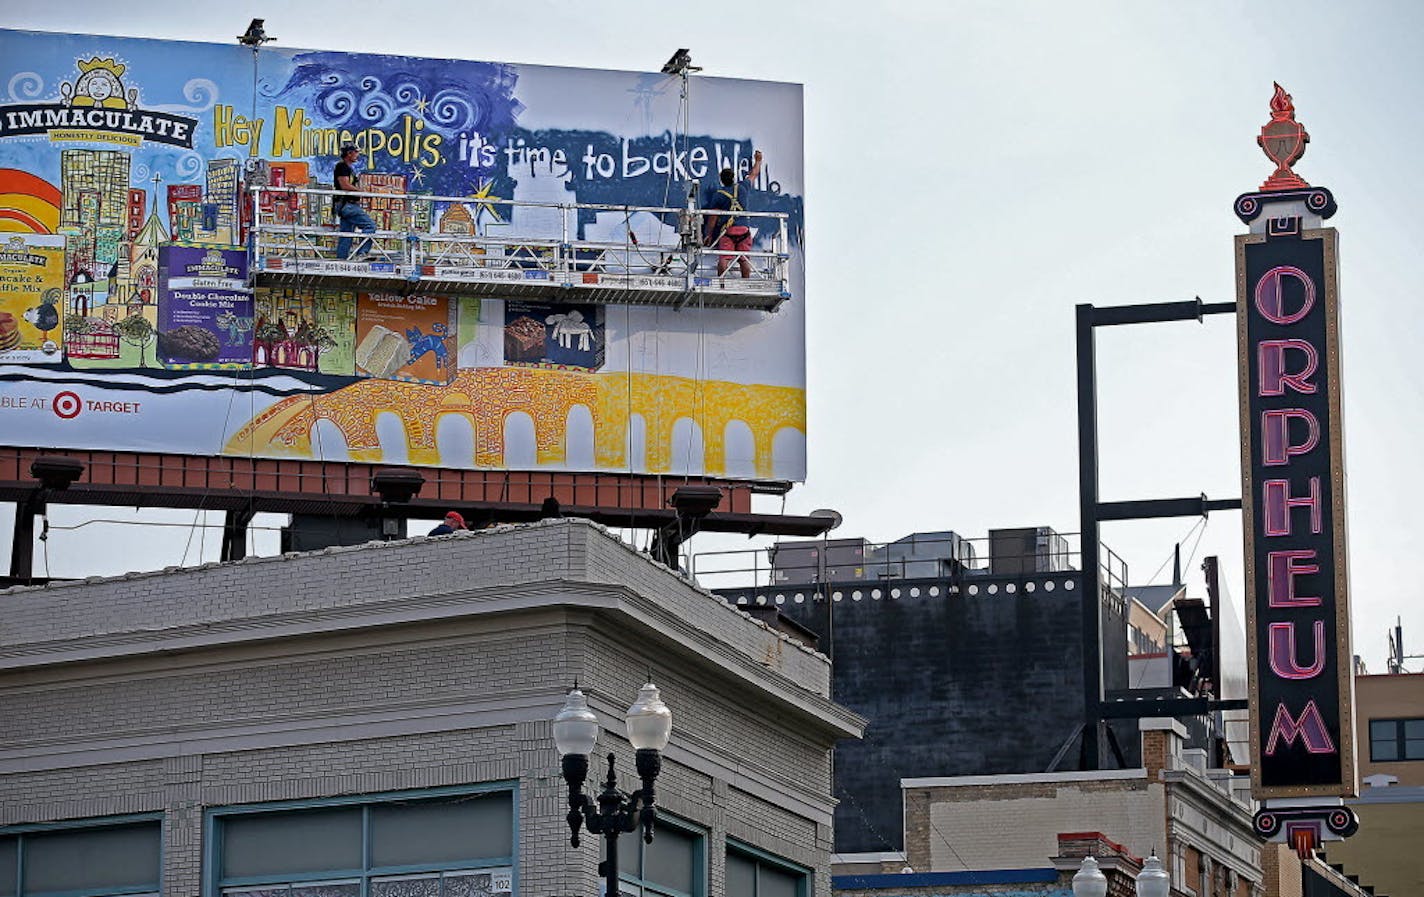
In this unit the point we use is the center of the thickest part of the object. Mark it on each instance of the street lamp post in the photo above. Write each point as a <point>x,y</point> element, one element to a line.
<point>615,812</point>
<point>1089,880</point>
<point>1152,881</point>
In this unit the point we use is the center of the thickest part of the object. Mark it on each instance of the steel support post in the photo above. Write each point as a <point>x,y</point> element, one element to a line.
<point>1091,616</point>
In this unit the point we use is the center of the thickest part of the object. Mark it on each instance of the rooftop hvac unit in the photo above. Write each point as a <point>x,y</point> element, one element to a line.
<point>926,556</point>
<point>808,563</point>
<point>1027,550</point>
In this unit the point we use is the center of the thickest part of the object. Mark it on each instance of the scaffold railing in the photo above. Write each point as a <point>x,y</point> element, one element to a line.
<point>572,252</point>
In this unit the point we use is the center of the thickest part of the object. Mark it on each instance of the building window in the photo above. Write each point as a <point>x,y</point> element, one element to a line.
<point>1396,739</point>
<point>752,873</point>
<point>423,845</point>
<point>674,865</point>
<point>88,859</point>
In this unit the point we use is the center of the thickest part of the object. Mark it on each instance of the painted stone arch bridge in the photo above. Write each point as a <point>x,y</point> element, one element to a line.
<point>650,416</point>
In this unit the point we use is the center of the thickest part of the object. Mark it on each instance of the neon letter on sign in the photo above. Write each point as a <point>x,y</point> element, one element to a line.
<point>1279,503</point>
<point>1281,574</point>
<point>1274,378</point>
<point>1271,294</point>
<point>1310,728</point>
<point>1276,448</point>
<point>1283,652</point>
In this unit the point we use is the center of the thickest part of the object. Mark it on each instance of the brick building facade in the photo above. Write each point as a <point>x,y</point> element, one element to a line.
<point>215,716</point>
<point>1389,721</point>
<point>1026,834</point>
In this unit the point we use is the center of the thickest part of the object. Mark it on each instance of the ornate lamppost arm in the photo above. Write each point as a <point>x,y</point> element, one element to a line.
<point>649,763</point>
<point>575,768</point>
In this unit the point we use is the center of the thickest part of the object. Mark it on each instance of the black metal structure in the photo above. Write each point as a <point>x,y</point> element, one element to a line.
<point>55,473</point>
<point>617,812</point>
<point>1092,512</point>
<point>354,493</point>
<point>693,504</point>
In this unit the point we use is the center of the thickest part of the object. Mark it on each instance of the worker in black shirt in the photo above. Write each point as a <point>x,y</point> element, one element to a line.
<point>729,231</point>
<point>348,207</point>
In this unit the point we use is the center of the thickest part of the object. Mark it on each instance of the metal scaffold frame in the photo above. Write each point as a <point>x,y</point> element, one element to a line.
<point>293,245</point>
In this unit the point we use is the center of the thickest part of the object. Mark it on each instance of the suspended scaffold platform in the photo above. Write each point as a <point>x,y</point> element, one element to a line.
<point>515,249</point>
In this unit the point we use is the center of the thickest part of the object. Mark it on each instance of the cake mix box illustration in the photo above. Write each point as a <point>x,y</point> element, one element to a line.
<point>405,338</point>
<point>568,337</point>
<point>205,313</point>
<point>32,300</point>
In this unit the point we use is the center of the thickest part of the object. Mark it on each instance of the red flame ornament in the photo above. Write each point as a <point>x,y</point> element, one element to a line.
<point>1283,140</point>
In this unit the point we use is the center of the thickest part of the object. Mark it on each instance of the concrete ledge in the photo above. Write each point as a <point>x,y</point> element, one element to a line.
<point>1033,778</point>
<point>931,879</point>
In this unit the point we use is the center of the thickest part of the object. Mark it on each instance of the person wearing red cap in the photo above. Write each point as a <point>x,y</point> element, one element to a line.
<point>453,523</point>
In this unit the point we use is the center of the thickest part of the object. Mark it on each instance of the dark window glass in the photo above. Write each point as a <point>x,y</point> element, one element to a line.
<point>630,854</point>
<point>1413,739</point>
<point>752,876</point>
<point>671,860</point>
<point>773,882</point>
<point>454,846</point>
<point>672,864</point>
<point>8,868</point>
<point>92,858</point>
<point>1384,743</point>
<point>438,832</point>
<point>282,843</point>
<point>1396,739</point>
<point>741,876</point>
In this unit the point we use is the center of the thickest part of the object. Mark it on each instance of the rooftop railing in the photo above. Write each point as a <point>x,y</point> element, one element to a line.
<point>809,564</point>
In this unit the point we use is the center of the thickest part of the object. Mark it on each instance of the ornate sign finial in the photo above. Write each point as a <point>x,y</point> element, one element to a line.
<point>1283,140</point>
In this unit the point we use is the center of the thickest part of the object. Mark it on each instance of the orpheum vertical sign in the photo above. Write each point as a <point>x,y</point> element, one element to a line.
<point>1302,735</point>
<point>1298,621</point>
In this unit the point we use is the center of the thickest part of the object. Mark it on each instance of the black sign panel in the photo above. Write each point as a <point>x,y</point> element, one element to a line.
<point>1302,734</point>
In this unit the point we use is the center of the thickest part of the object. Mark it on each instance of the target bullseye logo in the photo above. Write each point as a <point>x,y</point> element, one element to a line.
<point>67,405</point>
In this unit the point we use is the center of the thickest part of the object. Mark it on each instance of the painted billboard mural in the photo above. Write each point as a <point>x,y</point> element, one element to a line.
<point>125,228</point>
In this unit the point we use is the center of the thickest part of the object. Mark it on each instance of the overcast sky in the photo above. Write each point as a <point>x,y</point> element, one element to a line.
<point>974,170</point>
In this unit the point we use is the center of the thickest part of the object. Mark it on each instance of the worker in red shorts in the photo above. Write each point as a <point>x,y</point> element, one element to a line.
<point>729,232</point>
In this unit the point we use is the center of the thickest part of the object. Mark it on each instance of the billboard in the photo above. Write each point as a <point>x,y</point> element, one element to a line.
<point>1298,615</point>
<point>124,163</point>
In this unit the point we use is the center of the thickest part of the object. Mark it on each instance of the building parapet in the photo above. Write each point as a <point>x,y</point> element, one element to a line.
<point>1034,778</point>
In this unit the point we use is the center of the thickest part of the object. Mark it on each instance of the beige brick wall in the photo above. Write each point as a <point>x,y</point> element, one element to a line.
<point>1388,850</point>
<point>402,666</point>
<point>1015,825</point>
<point>1398,696</point>
<point>1281,868</point>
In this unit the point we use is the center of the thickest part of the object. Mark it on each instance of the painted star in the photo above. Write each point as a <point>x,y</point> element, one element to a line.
<point>416,176</point>
<point>420,105</point>
<point>486,202</point>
